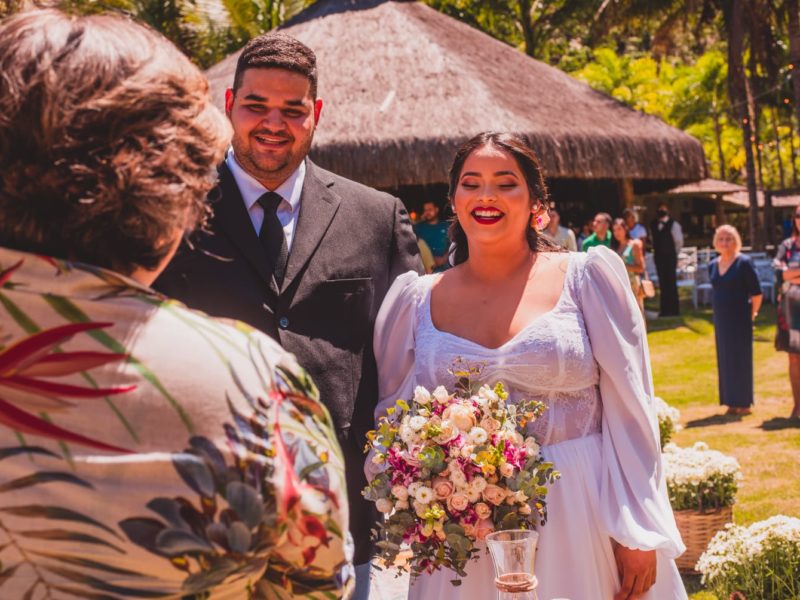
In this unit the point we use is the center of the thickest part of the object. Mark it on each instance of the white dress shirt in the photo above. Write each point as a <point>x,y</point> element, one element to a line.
<point>251,190</point>
<point>677,233</point>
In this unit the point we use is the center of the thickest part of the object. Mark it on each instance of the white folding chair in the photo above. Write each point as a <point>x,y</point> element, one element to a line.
<point>766,277</point>
<point>702,285</point>
<point>650,267</point>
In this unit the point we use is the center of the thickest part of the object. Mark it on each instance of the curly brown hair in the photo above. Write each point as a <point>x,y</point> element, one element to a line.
<point>108,140</point>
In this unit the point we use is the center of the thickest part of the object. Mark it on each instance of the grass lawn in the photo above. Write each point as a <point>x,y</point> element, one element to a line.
<point>766,444</point>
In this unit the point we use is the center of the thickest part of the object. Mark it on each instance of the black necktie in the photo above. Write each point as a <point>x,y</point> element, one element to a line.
<point>272,237</point>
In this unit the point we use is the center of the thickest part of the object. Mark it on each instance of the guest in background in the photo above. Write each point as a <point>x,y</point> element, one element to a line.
<point>736,298</point>
<point>601,227</point>
<point>632,253</point>
<point>193,444</point>
<point>636,230</point>
<point>433,231</point>
<point>667,237</point>
<point>584,232</point>
<point>787,261</point>
<point>562,236</point>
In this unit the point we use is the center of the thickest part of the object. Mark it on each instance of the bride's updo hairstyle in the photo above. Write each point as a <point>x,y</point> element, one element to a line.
<point>528,163</point>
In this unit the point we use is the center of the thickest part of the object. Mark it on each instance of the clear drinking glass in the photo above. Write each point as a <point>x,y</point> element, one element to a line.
<point>513,553</point>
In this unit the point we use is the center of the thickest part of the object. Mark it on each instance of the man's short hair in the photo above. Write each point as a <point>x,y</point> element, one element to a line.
<point>606,217</point>
<point>277,51</point>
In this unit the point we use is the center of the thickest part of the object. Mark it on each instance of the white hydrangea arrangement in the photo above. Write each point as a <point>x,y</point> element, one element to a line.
<point>699,478</point>
<point>761,561</point>
<point>668,420</point>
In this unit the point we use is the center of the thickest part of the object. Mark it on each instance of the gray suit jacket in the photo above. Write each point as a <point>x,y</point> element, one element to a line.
<point>350,243</point>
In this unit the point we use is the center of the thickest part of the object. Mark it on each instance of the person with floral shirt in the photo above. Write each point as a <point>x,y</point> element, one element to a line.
<point>146,450</point>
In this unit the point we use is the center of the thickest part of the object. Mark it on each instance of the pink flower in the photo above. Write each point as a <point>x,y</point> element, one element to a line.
<point>457,503</point>
<point>483,528</point>
<point>483,511</point>
<point>469,530</point>
<point>494,494</point>
<point>443,488</point>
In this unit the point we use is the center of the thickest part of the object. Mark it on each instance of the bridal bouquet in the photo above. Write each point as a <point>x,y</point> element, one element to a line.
<point>457,466</point>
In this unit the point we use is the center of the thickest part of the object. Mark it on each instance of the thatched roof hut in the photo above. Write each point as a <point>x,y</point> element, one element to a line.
<point>403,85</point>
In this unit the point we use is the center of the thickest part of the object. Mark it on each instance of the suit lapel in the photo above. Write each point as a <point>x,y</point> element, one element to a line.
<point>318,205</point>
<point>231,216</point>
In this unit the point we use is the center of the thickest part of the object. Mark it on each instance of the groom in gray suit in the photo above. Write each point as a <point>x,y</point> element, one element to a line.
<point>298,252</point>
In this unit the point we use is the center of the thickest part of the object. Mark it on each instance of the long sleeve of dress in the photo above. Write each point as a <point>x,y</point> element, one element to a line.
<point>634,504</point>
<point>393,343</point>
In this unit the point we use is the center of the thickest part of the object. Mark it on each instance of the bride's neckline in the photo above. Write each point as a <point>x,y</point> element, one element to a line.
<point>529,325</point>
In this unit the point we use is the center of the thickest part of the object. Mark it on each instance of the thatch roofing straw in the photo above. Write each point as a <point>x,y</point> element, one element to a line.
<point>742,199</point>
<point>404,85</point>
<point>707,187</point>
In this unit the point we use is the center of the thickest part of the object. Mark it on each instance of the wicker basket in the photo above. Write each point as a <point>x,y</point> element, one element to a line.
<point>697,529</point>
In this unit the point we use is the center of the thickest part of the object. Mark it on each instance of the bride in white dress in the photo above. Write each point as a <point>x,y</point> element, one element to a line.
<point>560,327</point>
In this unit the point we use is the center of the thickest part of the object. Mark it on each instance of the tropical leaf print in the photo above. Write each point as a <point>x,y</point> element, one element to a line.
<point>275,490</point>
<point>5,275</point>
<point>24,364</point>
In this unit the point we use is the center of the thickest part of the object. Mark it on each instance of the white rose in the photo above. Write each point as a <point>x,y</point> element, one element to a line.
<point>478,484</point>
<point>462,416</point>
<point>440,395</point>
<point>478,435</point>
<point>525,509</point>
<point>400,492</point>
<point>488,393</point>
<point>480,401</point>
<point>506,469</point>
<point>416,423</point>
<point>458,478</point>
<point>449,432</point>
<point>384,505</point>
<point>531,447</point>
<point>422,396</point>
<point>424,494</point>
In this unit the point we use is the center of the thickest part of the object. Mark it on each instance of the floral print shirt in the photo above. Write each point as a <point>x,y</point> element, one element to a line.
<point>148,451</point>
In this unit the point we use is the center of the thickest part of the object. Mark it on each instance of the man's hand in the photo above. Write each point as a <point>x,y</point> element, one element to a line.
<point>637,571</point>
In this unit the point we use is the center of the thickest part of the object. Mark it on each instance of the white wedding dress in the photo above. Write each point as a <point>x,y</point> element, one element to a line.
<point>587,360</point>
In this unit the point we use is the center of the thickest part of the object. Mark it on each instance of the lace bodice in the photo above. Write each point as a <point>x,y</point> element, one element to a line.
<point>550,360</point>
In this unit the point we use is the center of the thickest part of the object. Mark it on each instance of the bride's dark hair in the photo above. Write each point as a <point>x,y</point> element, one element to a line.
<point>528,163</point>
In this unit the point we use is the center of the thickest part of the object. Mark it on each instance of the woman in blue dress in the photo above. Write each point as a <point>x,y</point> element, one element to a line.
<point>736,298</point>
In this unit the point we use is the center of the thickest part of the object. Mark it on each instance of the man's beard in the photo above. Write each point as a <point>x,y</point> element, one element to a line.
<point>250,164</point>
